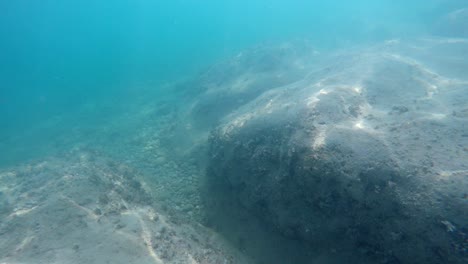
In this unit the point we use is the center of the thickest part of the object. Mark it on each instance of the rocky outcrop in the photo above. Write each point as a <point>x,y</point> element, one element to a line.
<point>366,154</point>
<point>234,82</point>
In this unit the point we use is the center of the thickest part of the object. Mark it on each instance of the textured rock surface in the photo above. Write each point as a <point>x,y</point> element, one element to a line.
<point>82,208</point>
<point>235,82</point>
<point>367,154</point>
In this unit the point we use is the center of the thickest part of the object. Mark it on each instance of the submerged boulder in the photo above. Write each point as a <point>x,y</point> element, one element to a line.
<point>235,82</point>
<point>365,155</point>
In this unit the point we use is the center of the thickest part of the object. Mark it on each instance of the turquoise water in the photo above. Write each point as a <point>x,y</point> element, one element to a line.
<point>135,82</point>
<point>55,55</point>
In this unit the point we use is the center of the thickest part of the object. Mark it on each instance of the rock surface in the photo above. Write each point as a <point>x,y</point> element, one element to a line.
<point>83,208</point>
<point>234,82</point>
<point>366,154</point>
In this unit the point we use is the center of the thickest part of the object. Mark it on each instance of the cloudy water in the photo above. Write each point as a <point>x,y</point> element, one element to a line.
<point>187,131</point>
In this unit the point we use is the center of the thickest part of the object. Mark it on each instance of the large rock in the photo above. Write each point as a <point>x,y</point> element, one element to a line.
<point>228,85</point>
<point>237,81</point>
<point>366,155</point>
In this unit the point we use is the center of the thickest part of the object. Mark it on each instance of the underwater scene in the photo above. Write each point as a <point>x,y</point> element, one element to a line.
<point>233,131</point>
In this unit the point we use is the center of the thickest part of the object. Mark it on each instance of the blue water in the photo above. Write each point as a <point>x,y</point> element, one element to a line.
<point>106,75</point>
<point>55,55</point>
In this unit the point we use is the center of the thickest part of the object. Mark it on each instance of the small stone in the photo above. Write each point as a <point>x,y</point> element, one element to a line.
<point>155,218</point>
<point>97,211</point>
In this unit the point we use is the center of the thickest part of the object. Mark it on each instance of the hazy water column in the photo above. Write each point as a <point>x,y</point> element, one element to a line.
<point>56,55</point>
